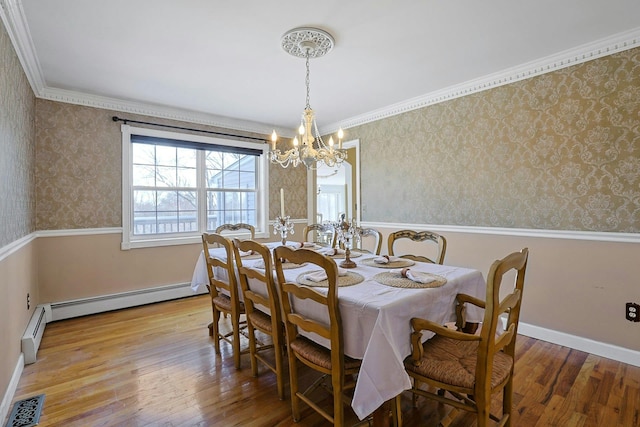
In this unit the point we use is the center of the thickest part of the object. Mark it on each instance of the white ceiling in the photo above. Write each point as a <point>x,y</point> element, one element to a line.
<point>220,62</point>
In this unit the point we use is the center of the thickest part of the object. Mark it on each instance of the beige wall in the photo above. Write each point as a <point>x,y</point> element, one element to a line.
<point>17,208</point>
<point>577,287</point>
<point>83,266</point>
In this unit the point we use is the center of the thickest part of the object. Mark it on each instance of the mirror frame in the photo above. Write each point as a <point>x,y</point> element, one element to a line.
<point>311,185</point>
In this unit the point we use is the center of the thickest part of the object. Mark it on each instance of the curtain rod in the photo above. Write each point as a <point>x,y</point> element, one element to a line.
<point>125,121</point>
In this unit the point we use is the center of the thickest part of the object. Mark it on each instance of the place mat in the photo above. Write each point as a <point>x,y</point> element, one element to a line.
<point>350,279</point>
<point>393,264</point>
<point>285,265</point>
<point>343,256</point>
<point>397,281</point>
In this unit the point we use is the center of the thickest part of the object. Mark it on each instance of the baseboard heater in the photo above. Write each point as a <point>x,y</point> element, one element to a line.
<point>33,335</point>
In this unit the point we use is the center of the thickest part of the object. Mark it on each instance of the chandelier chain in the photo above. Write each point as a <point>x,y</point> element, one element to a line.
<point>307,80</point>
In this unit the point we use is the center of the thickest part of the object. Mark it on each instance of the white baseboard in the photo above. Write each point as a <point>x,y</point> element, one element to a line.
<point>85,306</point>
<point>5,407</point>
<point>621,354</point>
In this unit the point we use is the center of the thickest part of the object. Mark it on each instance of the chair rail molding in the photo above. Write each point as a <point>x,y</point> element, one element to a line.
<point>615,237</point>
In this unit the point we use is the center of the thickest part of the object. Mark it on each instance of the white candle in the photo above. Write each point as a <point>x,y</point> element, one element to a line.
<point>281,203</point>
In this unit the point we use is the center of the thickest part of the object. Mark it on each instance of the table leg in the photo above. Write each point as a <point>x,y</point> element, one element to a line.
<point>391,409</point>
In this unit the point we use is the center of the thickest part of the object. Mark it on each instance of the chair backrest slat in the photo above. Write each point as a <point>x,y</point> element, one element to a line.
<point>209,242</point>
<point>419,236</point>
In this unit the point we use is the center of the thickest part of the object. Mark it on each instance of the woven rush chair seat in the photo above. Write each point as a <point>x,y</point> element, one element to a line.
<point>224,302</point>
<point>319,355</point>
<point>454,362</point>
<point>260,320</point>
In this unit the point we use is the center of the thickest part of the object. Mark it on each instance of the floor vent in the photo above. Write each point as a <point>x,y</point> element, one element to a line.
<point>26,412</point>
<point>33,335</point>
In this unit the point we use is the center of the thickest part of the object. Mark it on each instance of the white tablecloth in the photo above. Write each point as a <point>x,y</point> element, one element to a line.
<point>376,322</point>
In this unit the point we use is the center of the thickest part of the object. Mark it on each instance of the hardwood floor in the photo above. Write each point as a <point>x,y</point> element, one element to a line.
<point>155,366</point>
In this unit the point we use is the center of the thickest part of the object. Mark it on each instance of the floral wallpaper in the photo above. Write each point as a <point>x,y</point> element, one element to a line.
<point>560,151</point>
<point>79,168</point>
<point>17,141</point>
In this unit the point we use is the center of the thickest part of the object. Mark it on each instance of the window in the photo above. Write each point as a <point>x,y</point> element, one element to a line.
<point>178,186</point>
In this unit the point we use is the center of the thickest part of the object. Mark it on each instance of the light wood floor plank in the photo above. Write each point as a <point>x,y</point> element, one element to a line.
<point>155,365</point>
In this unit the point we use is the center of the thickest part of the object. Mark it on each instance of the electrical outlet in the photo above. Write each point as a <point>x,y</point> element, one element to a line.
<point>633,312</point>
<point>28,301</point>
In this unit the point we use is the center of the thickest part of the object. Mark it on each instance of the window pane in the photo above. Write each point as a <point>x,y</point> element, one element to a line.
<point>165,156</point>
<point>231,179</point>
<point>214,178</point>
<point>231,200</point>
<point>187,220</point>
<point>144,154</point>
<point>187,177</point>
<point>247,180</point>
<point>144,201</point>
<point>165,176</point>
<point>214,200</point>
<point>214,160</point>
<point>248,163</point>
<point>187,201</point>
<point>250,201</point>
<point>231,161</point>
<point>144,175</point>
<point>167,200</point>
<point>186,158</point>
<point>144,222</point>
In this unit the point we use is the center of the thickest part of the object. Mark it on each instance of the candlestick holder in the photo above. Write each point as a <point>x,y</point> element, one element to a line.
<point>284,226</point>
<point>345,234</point>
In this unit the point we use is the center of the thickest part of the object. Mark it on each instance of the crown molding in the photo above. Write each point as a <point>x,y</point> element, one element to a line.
<point>15,22</point>
<point>12,14</point>
<point>133,107</point>
<point>587,52</point>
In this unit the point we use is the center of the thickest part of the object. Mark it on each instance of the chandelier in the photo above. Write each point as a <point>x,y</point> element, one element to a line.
<point>309,150</point>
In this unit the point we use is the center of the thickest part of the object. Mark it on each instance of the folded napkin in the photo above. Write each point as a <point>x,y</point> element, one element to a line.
<point>298,245</point>
<point>246,253</point>
<point>333,251</point>
<point>416,276</point>
<point>319,276</point>
<point>385,259</point>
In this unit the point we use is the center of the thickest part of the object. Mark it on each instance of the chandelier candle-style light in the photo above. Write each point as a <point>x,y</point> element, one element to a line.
<point>309,150</point>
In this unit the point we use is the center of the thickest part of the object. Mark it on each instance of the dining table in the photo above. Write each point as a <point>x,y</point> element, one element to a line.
<point>376,305</point>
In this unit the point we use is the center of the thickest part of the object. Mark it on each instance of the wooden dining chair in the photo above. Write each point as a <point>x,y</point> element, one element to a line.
<point>237,227</point>
<point>471,367</point>
<point>331,362</point>
<point>324,234</point>
<point>260,293</point>
<point>224,293</point>
<point>369,234</point>
<point>419,236</point>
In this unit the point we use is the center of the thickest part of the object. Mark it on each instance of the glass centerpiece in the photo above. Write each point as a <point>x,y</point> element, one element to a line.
<point>346,231</point>
<point>284,226</point>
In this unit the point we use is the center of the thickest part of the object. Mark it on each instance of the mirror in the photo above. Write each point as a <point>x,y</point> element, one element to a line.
<point>336,190</point>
